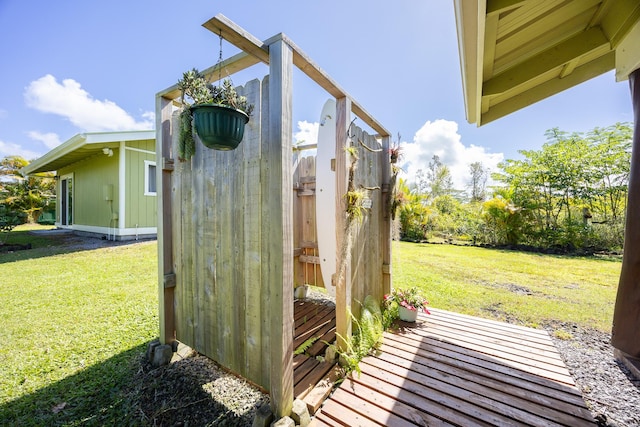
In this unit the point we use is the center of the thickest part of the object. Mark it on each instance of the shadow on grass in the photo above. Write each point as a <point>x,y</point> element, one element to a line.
<point>98,395</point>
<point>126,390</point>
<point>53,242</point>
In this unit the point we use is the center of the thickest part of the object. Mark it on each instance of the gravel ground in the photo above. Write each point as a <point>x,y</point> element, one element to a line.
<point>194,392</point>
<point>610,391</point>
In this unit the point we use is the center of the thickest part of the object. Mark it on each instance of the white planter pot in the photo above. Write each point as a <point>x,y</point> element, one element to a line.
<point>408,315</point>
<point>300,292</point>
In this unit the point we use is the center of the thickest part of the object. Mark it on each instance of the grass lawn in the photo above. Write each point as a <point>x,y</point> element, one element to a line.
<point>74,325</point>
<point>76,322</point>
<point>527,288</point>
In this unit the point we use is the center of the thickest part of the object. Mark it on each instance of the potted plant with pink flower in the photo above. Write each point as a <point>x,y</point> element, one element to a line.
<point>407,302</point>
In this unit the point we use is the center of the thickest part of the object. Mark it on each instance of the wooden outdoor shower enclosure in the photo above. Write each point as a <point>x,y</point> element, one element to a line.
<point>234,232</point>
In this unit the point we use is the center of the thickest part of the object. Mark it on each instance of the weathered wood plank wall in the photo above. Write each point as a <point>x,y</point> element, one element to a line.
<point>219,215</point>
<point>367,250</point>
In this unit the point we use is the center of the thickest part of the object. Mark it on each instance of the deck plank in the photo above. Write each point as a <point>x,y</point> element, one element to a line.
<point>305,384</point>
<point>311,320</point>
<point>487,375</point>
<point>451,369</point>
<point>391,404</point>
<point>431,347</point>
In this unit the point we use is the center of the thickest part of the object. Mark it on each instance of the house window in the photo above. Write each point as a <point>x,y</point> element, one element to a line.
<point>149,178</point>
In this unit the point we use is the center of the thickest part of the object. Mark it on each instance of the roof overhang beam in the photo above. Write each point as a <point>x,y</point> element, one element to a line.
<point>564,53</point>
<point>234,34</point>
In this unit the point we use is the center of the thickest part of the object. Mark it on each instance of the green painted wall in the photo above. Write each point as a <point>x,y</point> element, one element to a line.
<point>141,209</point>
<point>89,177</point>
<point>92,174</point>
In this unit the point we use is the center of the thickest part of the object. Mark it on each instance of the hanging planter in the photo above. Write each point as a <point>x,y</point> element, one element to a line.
<point>219,127</point>
<point>217,114</point>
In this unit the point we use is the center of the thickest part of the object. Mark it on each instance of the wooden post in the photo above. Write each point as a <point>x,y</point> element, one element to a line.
<point>343,279</point>
<point>280,200</point>
<point>166,275</point>
<point>626,317</point>
<point>387,193</point>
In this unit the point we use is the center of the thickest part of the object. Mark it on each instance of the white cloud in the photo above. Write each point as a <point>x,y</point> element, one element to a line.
<point>72,102</point>
<point>3,114</point>
<point>50,139</point>
<point>441,138</point>
<point>11,149</point>
<point>307,133</point>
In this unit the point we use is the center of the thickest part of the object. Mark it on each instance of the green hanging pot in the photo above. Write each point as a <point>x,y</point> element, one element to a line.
<point>219,127</point>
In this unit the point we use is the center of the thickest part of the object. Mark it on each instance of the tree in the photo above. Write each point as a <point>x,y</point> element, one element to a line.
<point>503,221</point>
<point>573,178</point>
<point>26,194</point>
<point>611,148</point>
<point>435,180</point>
<point>414,214</point>
<point>478,181</point>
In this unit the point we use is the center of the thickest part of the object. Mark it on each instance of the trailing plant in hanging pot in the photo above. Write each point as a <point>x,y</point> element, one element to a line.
<point>217,114</point>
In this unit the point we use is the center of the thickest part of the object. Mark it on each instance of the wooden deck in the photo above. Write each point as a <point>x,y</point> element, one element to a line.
<point>313,321</point>
<point>452,369</point>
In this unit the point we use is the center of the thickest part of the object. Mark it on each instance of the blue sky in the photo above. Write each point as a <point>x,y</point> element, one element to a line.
<point>73,66</point>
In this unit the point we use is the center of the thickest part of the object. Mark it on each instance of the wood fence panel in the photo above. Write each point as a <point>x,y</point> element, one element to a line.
<point>367,251</point>
<point>265,217</point>
<point>222,302</point>
<point>252,200</point>
<point>307,269</point>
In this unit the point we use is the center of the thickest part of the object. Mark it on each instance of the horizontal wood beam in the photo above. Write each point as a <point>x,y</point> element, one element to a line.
<point>305,244</point>
<point>318,75</point>
<point>619,19</point>
<point>237,36</point>
<point>580,74</point>
<point>556,56</point>
<point>259,49</point>
<point>310,259</point>
<point>232,65</point>
<point>499,6</point>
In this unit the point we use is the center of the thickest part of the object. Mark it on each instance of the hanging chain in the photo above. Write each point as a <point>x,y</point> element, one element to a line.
<point>220,60</point>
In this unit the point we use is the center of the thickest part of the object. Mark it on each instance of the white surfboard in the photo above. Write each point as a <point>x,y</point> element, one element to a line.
<point>326,194</point>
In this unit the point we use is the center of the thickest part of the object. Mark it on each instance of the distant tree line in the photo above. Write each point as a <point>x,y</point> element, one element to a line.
<point>571,194</point>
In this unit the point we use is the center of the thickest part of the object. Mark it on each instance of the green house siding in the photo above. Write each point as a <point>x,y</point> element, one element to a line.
<point>149,145</point>
<point>89,178</point>
<point>141,209</point>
